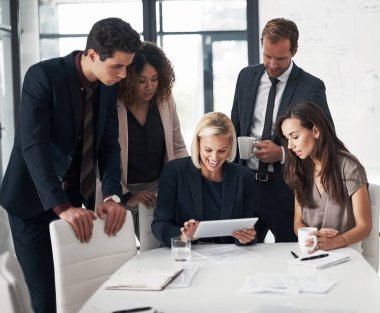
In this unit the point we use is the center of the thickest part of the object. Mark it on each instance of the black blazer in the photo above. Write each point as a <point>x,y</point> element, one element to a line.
<point>180,196</point>
<point>46,136</point>
<point>301,86</point>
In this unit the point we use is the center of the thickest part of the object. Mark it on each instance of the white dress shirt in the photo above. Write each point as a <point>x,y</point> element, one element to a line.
<point>258,118</point>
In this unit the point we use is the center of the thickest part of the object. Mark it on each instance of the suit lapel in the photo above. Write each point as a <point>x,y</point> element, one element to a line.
<point>289,90</point>
<point>288,93</point>
<point>251,100</point>
<point>195,184</point>
<point>102,107</point>
<point>229,183</point>
<point>74,92</point>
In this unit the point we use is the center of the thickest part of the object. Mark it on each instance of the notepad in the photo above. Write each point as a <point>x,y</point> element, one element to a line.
<point>331,260</point>
<point>143,279</point>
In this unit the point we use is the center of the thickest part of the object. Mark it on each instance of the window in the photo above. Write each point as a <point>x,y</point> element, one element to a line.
<point>64,27</point>
<point>206,42</point>
<point>6,87</point>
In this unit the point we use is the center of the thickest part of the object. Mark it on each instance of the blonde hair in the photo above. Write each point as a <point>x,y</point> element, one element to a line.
<point>213,124</point>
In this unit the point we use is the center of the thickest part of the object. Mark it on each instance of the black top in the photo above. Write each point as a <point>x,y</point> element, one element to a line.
<point>212,204</point>
<point>146,148</point>
<point>212,199</point>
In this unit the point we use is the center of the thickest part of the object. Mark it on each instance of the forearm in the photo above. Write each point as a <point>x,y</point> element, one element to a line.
<point>356,234</point>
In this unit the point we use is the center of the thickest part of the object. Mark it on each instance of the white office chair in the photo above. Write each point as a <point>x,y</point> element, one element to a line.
<point>81,268</point>
<point>370,245</point>
<point>13,290</point>
<point>147,240</point>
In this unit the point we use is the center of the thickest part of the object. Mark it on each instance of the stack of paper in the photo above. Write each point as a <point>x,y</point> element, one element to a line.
<point>143,279</point>
<point>290,283</point>
<point>333,258</point>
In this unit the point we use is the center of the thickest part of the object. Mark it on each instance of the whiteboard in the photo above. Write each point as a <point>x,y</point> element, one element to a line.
<point>340,43</point>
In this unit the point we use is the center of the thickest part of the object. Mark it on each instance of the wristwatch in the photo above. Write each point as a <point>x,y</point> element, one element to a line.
<point>114,198</point>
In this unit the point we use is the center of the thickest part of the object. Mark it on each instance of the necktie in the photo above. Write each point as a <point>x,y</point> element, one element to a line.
<point>267,131</point>
<point>87,177</point>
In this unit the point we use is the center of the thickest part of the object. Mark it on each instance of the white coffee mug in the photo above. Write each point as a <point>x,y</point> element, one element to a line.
<point>303,234</point>
<point>246,147</point>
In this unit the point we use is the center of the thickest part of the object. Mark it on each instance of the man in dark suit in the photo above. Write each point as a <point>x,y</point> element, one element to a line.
<point>67,127</point>
<point>274,201</point>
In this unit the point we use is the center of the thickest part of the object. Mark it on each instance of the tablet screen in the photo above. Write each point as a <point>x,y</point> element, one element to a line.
<point>219,228</point>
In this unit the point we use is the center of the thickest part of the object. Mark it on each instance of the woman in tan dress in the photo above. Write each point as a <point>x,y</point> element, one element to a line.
<point>330,184</point>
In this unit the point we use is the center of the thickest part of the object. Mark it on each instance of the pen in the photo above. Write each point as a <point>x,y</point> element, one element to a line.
<point>315,257</point>
<point>293,254</point>
<point>145,308</point>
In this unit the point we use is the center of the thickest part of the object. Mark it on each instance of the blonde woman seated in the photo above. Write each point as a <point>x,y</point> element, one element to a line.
<point>330,184</point>
<point>206,186</point>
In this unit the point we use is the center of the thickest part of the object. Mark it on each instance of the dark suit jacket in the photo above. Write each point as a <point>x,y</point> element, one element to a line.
<point>180,197</point>
<point>46,137</point>
<point>301,86</point>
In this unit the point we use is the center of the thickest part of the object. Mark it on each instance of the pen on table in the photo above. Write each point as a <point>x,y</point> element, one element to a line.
<point>293,254</point>
<point>142,309</point>
<point>315,257</point>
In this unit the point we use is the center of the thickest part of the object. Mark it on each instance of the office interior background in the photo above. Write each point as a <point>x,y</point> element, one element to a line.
<point>209,42</point>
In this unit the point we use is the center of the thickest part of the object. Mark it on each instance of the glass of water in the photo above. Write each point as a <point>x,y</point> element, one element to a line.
<point>181,249</point>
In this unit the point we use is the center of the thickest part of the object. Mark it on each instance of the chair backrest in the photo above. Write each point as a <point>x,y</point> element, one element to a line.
<point>370,245</point>
<point>13,290</point>
<point>81,268</point>
<point>147,240</point>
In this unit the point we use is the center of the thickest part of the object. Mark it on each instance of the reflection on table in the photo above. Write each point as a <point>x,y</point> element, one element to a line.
<point>217,287</point>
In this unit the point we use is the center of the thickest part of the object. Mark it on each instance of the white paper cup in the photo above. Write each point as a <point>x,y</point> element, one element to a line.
<point>246,147</point>
<point>303,234</point>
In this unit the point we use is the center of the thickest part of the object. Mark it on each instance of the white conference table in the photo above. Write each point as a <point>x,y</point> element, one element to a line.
<point>216,287</point>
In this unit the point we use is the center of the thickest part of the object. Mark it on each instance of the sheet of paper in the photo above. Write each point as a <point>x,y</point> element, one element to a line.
<point>290,283</point>
<point>225,253</point>
<point>184,279</point>
<point>290,308</point>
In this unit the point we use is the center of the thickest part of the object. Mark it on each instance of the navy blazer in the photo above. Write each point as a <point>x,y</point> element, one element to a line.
<point>46,137</point>
<point>180,196</point>
<point>301,86</point>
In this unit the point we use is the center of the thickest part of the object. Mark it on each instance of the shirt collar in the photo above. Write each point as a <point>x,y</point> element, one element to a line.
<point>283,78</point>
<point>84,82</point>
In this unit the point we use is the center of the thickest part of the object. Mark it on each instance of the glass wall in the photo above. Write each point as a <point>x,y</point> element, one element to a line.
<point>6,87</point>
<point>206,42</point>
<point>64,27</point>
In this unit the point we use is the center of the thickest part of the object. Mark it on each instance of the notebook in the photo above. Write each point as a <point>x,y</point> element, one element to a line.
<point>143,279</point>
<point>332,259</point>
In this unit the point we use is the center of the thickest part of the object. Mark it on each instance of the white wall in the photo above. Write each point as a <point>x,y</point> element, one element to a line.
<point>339,44</point>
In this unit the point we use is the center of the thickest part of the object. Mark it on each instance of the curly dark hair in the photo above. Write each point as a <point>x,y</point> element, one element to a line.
<point>151,54</point>
<point>112,34</point>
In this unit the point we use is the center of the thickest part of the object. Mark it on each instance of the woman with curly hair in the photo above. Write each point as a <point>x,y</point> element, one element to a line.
<point>330,184</point>
<point>149,130</point>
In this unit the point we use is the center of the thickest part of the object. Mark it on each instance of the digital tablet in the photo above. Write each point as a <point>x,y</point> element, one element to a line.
<point>221,228</point>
